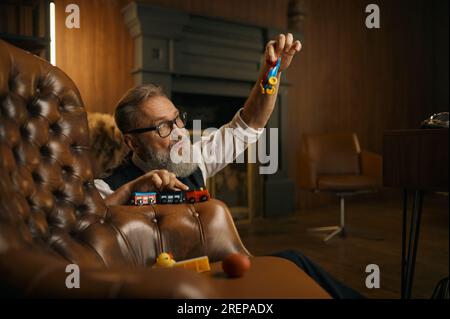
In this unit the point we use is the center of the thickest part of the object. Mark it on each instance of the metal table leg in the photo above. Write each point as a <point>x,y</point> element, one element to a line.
<point>403,261</point>
<point>408,265</point>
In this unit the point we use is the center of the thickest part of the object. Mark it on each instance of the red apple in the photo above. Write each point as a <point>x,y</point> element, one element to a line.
<point>235,265</point>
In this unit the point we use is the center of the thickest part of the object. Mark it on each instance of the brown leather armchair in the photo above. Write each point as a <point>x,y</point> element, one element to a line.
<point>335,163</point>
<point>51,214</point>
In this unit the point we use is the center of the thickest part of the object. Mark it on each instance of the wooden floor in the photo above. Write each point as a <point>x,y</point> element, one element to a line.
<point>374,237</point>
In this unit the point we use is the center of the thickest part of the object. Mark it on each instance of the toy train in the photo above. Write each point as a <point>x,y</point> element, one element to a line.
<point>175,197</point>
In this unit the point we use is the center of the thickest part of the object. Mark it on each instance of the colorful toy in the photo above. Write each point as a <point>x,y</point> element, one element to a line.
<point>175,197</point>
<point>140,199</point>
<point>236,265</point>
<point>200,264</point>
<point>197,196</point>
<point>165,260</point>
<point>170,197</point>
<point>270,79</point>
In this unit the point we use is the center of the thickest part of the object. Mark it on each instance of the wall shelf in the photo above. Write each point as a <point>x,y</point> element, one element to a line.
<point>26,24</point>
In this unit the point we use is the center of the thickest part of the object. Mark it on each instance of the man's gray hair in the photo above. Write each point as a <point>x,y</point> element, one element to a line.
<point>128,114</point>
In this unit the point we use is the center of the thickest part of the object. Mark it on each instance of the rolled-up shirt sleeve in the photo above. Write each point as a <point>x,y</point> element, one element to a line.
<point>225,145</point>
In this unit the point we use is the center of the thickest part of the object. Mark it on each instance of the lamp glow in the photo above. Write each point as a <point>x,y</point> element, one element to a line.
<point>52,34</point>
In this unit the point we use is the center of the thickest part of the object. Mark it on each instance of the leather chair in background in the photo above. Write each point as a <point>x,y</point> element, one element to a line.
<point>51,214</point>
<point>335,163</point>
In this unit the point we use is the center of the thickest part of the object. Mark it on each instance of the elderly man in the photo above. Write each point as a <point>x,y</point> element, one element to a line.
<point>153,129</point>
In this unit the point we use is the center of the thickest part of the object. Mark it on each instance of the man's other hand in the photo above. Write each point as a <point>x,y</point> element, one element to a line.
<point>158,180</point>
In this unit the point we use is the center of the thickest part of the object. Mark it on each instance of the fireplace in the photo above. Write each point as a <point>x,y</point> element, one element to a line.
<point>208,67</point>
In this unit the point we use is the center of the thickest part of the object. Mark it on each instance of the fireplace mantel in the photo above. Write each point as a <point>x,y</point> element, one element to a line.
<point>188,53</point>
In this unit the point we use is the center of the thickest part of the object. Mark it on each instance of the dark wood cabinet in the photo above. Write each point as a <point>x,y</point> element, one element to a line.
<point>416,159</point>
<point>26,24</point>
<point>417,162</point>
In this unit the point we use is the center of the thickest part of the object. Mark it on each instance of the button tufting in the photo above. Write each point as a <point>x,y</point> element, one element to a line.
<point>24,132</point>
<point>86,185</point>
<point>16,154</point>
<point>44,150</point>
<point>67,169</point>
<point>36,177</point>
<point>55,128</point>
<point>155,220</point>
<point>59,194</point>
<point>61,104</point>
<point>33,107</point>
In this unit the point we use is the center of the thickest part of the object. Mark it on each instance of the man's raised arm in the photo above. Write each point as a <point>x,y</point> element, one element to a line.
<point>259,106</point>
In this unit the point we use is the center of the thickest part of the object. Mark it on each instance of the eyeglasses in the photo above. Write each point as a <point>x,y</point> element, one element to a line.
<point>165,128</point>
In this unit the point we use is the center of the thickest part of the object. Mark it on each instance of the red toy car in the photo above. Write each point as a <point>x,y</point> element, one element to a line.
<point>200,195</point>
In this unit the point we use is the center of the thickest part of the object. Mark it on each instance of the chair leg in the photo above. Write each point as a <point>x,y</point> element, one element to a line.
<point>343,232</point>
<point>336,229</point>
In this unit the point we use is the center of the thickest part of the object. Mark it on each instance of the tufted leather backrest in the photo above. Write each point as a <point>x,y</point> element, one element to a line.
<point>44,148</point>
<point>47,196</point>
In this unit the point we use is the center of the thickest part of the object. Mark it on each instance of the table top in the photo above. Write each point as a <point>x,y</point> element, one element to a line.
<point>267,278</point>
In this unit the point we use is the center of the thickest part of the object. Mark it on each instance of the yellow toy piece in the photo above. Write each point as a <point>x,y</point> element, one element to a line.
<point>273,80</point>
<point>165,260</point>
<point>200,264</point>
<point>263,90</point>
<point>270,91</point>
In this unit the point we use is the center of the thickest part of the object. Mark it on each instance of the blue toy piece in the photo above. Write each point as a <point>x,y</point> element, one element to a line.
<point>270,80</point>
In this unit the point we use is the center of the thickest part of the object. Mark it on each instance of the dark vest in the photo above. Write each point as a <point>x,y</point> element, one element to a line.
<point>127,171</point>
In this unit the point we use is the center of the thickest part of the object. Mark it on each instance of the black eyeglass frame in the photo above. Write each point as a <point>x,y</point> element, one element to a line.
<point>182,116</point>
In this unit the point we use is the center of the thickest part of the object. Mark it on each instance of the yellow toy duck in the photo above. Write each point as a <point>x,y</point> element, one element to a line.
<point>165,260</point>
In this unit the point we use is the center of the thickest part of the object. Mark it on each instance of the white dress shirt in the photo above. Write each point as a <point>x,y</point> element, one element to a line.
<point>213,152</point>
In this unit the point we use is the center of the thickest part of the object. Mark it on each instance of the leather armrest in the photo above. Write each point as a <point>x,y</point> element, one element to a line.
<point>308,174</point>
<point>372,165</point>
<point>26,273</point>
<point>185,230</point>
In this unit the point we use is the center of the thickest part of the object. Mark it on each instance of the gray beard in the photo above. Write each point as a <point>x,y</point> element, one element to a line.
<point>161,160</point>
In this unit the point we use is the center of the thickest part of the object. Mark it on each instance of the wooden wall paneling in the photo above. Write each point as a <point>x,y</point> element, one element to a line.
<point>99,55</point>
<point>349,78</point>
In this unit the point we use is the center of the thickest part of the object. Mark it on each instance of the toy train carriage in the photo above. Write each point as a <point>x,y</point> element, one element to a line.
<point>170,197</point>
<point>140,199</point>
<point>197,196</point>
